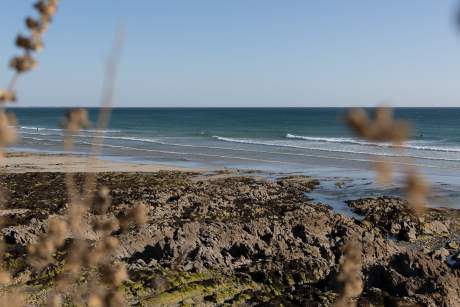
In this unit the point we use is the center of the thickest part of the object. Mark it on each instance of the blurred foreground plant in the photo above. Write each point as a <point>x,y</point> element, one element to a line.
<point>384,128</point>
<point>20,64</point>
<point>350,274</point>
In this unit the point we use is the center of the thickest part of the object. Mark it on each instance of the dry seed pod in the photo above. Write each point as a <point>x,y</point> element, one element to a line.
<point>102,200</point>
<point>12,298</point>
<point>358,120</point>
<point>95,300</point>
<point>46,10</point>
<point>7,131</point>
<point>40,254</point>
<point>382,129</point>
<point>7,96</point>
<point>57,231</point>
<point>114,275</point>
<point>384,172</point>
<point>76,212</point>
<point>23,63</point>
<point>400,132</point>
<point>115,299</point>
<point>32,23</point>
<point>139,214</point>
<point>136,216</point>
<point>77,119</point>
<point>5,278</point>
<point>55,300</point>
<point>350,274</point>
<point>36,26</point>
<point>29,43</point>
<point>417,191</point>
<point>101,250</point>
<point>106,225</point>
<point>74,258</point>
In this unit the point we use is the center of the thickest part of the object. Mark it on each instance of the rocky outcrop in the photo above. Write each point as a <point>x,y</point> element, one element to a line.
<point>233,239</point>
<point>394,216</point>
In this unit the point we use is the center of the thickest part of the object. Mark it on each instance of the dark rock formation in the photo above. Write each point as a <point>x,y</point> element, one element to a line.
<point>244,240</point>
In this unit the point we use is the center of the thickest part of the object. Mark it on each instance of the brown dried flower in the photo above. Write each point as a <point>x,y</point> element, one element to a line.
<point>384,172</point>
<point>33,24</point>
<point>114,274</point>
<point>106,225</point>
<point>95,300</point>
<point>383,128</point>
<point>23,63</point>
<point>47,9</point>
<point>40,254</point>
<point>101,250</point>
<point>417,191</point>
<point>76,119</point>
<point>350,274</point>
<point>136,216</point>
<point>55,300</point>
<point>13,298</point>
<point>5,278</point>
<point>29,43</point>
<point>115,299</point>
<point>7,130</point>
<point>102,200</point>
<point>7,96</point>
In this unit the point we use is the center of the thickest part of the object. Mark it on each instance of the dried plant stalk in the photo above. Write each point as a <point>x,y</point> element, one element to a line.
<point>384,128</point>
<point>384,172</point>
<point>350,274</point>
<point>104,113</point>
<point>23,63</point>
<point>417,191</point>
<point>81,255</point>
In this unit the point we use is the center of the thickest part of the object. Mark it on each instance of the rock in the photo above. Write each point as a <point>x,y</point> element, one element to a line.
<point>452,245</point>
<point>427,280</point>
<point>435,228</point>
<point>24,235</point>
<point>394,216</point>
<point>300,183</point>
<point>409,234</point>
<point>440,254</point>
<point>239,240</point>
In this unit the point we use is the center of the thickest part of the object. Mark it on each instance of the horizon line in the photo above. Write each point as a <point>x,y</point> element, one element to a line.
<point>230,107</point>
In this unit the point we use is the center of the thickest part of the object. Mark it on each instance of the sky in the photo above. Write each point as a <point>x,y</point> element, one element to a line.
<point>243,53</point>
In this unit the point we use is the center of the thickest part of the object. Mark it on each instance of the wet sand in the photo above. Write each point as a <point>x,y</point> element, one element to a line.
<point>22,162</point>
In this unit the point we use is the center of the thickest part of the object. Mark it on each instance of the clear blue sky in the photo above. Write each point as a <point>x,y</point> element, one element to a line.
<point>244,53</point>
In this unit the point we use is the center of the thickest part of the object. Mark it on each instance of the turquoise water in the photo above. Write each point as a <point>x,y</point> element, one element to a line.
<point>252,136</point>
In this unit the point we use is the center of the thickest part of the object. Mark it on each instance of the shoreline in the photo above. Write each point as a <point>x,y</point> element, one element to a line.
<point>358,183</point>
<point>23,162</point>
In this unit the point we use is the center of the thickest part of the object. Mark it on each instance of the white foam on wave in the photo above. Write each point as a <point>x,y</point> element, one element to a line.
<point>337,150</point>
<point>333,140</point>
<point>62,130</point>
<point>271,143</point>
<point>236,157</point>
<point>408,145</point>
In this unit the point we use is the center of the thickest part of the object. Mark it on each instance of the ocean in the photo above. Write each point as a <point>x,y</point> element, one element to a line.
<point>314,141</point>
<point>246,137</point>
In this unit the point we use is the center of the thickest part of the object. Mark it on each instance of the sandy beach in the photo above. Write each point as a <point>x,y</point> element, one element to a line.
<point>21,162</point>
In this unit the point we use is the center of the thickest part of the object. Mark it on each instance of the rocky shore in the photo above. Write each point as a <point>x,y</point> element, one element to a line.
<point>234,239</point>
